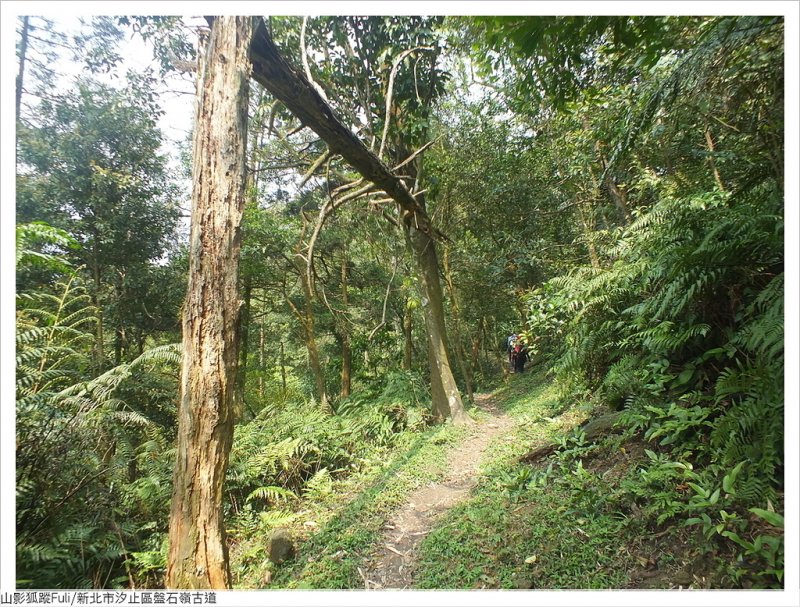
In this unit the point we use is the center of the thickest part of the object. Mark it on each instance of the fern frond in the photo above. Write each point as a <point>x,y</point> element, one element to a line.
<point>271,494</point>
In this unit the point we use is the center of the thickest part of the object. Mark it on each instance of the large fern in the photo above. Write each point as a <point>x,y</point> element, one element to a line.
<point>93,469</point>
<point>686,328</point>
<point>750,393</point>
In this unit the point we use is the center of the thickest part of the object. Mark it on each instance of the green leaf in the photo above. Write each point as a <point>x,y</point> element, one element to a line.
<point>730,478</point>
<point>773,518</point>
<point>699,490</point>
<point>735,538</point>
<point>684,377</point>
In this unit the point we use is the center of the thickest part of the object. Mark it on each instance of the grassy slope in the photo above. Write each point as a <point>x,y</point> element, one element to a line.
<point>349,516</point>
<point>568,520</point>
<point>512,534</point>
<point>573,527</point>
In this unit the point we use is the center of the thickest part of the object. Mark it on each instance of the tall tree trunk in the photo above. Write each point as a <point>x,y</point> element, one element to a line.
<point>588,230</point>
<point>120,336</point>
<point>283,368</point>
<point>485,339</point>
<point>306,316</point>
<point>711,161</point>
<point>475,351</point>
<point>198,553</point>
<point>461,357</point>
<point>444,391</point>
<point>344,333</point>
<point>98,351</point>
<point>307,321</point>
<point>261,347</point>
<point>407,334</point>
<point>619,197</point>
<point>439,405</point>
<point>23,51</point>
<point>244,348</point>
<point>314,361</point>
<point>446,398</point>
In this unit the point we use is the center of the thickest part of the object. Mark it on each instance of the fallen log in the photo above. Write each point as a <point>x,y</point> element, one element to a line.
<point>598,426</point>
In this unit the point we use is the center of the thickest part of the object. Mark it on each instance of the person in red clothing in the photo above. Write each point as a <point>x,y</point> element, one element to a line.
<point>510,343</point>
<point>520,356</point>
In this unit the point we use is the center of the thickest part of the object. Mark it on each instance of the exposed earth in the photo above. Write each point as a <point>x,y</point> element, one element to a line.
<point>393,567</point>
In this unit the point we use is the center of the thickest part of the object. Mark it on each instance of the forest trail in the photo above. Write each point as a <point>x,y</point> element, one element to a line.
<point>394,564</point>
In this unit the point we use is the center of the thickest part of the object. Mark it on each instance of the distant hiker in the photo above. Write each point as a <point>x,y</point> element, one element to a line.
<point>510,343</point>
<point>520,356</point>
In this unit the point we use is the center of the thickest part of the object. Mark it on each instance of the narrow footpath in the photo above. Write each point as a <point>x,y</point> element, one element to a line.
<point>394,564</point>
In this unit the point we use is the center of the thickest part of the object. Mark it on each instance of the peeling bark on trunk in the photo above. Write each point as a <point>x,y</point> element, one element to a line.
<point>198,553</point>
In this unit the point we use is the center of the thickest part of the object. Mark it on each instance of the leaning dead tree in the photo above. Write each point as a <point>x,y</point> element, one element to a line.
<point>295,91</point>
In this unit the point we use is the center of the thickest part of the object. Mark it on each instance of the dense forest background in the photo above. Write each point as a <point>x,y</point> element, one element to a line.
<point>612,188</point>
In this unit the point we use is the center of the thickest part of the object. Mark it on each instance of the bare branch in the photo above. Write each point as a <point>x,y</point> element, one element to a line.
<point>385,301</point>
<point>391,219</point>
<point>328,208</point>
<point>312,169</point>
<point>304,55</point>
<point>290,303</point>
<point>390,90</point>
<point>417,153</point>
<point>294,131</point>
<point>348,186</point>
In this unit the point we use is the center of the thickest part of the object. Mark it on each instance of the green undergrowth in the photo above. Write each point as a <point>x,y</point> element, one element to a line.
<point>498,540</point>
<point>557,510</point>
<point>338,522</point>
<point>511,534</point>
<point>553,509</point>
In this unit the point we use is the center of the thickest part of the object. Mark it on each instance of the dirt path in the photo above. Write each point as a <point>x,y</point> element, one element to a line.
<point>394,566</point>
